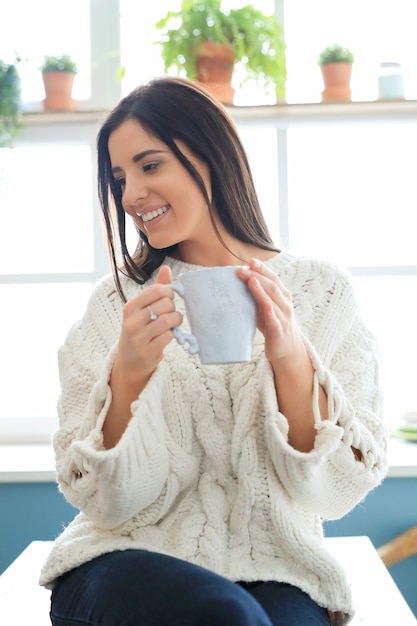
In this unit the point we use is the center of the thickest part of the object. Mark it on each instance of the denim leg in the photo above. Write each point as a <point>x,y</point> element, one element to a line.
<point>287,605</point>
<point>139,588</point>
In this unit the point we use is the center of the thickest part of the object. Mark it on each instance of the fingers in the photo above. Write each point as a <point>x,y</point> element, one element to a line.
<point>145,333</point>
<point>257,269</point>
<point>158,299</point>
<point>265,285</point>
<point>152,312</point>
<point>153,302</point>
<point>276,318</point>
<point>269,280</point>
<point>164,275</point>
<point>158,291</point>
<point>154,308</point>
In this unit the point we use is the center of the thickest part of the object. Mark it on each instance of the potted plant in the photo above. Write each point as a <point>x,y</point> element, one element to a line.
<point>191,38</point>
<point>336,64</point>
<point>58,73</point>
<point>9,103</point>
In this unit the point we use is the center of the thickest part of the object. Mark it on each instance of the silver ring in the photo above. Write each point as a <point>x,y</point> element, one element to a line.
<point>152,315</point>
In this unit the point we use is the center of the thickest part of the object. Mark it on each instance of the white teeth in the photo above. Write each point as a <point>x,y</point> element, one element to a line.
<point>152,214</point>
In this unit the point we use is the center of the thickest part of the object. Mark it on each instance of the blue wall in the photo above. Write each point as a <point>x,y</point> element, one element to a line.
<point>30,511</point>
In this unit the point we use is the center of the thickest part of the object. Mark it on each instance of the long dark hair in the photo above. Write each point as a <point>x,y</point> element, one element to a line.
<point>171,109</point>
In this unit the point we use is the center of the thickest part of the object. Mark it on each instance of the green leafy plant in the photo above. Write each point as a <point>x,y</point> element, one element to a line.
<point>9,103</point>
<point>335,54</point>
<point>62,63</point>
<point>257,40</point>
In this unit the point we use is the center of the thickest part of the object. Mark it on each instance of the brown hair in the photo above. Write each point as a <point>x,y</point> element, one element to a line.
<point>174,109</point>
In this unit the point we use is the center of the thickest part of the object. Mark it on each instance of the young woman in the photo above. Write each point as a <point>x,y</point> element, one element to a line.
<point>202,488</point>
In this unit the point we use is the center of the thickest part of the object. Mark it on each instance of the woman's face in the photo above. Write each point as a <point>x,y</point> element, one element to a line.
<point>157,191</point>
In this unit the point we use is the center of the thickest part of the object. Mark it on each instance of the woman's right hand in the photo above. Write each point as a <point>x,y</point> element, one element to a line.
<point>143,339</point>
<point>141,345</point>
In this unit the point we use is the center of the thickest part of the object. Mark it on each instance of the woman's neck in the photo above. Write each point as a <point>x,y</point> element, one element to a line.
<point>239,254</point>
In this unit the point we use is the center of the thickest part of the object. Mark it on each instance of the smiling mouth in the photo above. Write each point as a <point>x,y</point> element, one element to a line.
<point>147,217</point>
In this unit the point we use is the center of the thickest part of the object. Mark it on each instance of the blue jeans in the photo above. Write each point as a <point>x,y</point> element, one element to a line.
<point>139,588</point>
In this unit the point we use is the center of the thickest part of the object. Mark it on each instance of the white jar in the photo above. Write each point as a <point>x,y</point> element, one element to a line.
<point>390,81</point>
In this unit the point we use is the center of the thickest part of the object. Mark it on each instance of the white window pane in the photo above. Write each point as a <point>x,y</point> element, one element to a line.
<point>46,200</point>
<point>35,322</point>
<point>353,193</point>
<point>389,305</point>
<point>375,30</point>
<point>46,27</point>
<point>264,164</point>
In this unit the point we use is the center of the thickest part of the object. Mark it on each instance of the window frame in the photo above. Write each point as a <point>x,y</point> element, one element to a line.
<point>59,129</point>
<point>84,126</point>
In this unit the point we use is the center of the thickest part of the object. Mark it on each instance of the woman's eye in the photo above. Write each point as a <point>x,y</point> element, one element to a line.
<point>120,182</point>
<point>150,166</point>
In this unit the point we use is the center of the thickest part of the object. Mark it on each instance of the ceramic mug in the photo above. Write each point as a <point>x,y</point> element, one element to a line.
<point>221,312</point>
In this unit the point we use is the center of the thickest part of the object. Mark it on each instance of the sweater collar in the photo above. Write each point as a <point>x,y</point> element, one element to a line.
<point>280,260</point>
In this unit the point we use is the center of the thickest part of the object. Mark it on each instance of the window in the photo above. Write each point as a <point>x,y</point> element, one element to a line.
<point>138,35</point>
<point>347,193</point>
<point>51,255</point>
<point>335,182</point>
<point>24,40</point>
<point>51,246</point>
<point>352,199</point>
<point>376,31</point>
<point>95,48</point>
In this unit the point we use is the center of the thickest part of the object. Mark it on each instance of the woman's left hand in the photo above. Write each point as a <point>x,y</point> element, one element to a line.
<point>275,313</point>
<point>286,351</point>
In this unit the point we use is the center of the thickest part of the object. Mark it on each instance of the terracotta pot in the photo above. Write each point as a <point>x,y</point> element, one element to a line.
<point>58,91</point>
<point>214,64</point>
<point>336,79</point>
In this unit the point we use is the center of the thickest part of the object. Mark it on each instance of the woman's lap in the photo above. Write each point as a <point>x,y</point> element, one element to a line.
<point>287,605</point>
<point>139,588</point>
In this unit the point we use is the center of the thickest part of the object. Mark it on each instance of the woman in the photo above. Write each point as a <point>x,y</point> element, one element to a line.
<point>202,489</point>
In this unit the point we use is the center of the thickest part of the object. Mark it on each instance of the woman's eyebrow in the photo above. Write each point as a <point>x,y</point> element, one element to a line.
<point>136,158</point>
<point>141,155</point>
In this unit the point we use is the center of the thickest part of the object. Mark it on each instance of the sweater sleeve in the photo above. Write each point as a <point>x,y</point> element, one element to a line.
<point>110,486</point>
<point>330,480</point>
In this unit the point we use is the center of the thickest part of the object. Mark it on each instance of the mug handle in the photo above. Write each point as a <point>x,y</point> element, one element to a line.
<point>179,335</point>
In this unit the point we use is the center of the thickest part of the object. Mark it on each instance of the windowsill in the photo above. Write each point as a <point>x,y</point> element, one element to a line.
<point>402,457</point>
<point>36,462</point>
<point>27,463</point>
<point>297,112</point>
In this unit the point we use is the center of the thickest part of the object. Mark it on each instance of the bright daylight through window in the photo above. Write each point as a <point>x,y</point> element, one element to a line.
<point>343,189</point>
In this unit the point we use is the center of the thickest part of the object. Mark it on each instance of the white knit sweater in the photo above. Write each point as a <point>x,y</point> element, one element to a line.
<point>204,470</point>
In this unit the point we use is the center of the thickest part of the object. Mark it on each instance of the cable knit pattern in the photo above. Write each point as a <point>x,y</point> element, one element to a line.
<point>204,470</point>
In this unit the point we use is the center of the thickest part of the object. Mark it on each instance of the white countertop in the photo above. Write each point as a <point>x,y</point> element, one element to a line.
<point>377,599</point>
<point>36,463</point>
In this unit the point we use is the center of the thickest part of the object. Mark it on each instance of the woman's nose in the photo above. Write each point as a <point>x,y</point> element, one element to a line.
<point>133,192</point>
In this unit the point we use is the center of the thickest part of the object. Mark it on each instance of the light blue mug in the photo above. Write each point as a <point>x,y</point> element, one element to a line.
<point>221,312</point>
